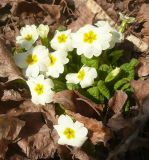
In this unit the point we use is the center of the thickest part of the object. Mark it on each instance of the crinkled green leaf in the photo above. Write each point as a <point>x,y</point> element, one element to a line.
<point>72,86</point>
<point>120,83</point>
<point>93,62</point>
<point>125,86</point>
<point>94,92</point>
<point>103,71</point>
<point>134,62</point>
<point>127,106</point>
<point>115,56</point>
<point>59,85</point>
<point>104,67</point>
<point>112,75</point>
<point>128,68</point>
<point>103,89</point>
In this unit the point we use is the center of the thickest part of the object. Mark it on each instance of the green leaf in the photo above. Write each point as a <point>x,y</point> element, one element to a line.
<point>93,91</point>
<point>116,55</point>
<point>134,62</point>
<point>126,86</point>
<point>72,86</point>
<point>127,106</point>
<point>103,89</point>
<point>112,75</point>
<point>104,67</point>
<point>103,70</point>
<point>128,68</point>
<point>59,85</point>
<point>120,83</point>
<point>93,62</point>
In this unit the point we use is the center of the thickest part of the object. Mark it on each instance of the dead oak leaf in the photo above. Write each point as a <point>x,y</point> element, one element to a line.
<point>39,145</point>
<point>81,155</point>
<point>143,69</point>
<point>117,102</point>
<point>10,127</point>
<point>118,122</point>
<point>9,130</point>
<point>11,95</point>
<point>3,147</point>
<point>141,90</point>
<point>144,16</point>
<point>7,65</point>
<point>98,132</point>
<point>85,16</point>
<point>74,101</point>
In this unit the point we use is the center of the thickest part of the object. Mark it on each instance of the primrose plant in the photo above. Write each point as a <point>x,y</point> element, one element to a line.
<point>85,60</point>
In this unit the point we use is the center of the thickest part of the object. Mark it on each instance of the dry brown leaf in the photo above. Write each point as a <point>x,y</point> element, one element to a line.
<point>11,95</point>
<point>10,127</point>
<point>52,10</point>
<point>141,90</point>
<point>117,102</point>
<point>39,145</point>
<point>3,148</point>
<point>80,155</point>
<point>64,153</point>
<point>8,68</point>
<point>74,101</point>
<point>65,98</point>
<point>18,157</point>
<point>143,70</point>
<point>144,16</point>
<point>99,132</point>
<point>9,130</point>
<point>85,16</point>
<point>35,116</point>
<point>117,122</point>
<point>37,139</point>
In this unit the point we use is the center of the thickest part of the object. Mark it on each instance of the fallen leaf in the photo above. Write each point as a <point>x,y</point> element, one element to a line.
<point>118,122</point>
<point>11,95</point>
<point>10,127</point>
<point>74,101</point>
<point>7,65</point>
<point>98,132</point>
<point>84,16</point>
<point>18,157</point>
<point>9,130</point>
<point>141,90</point>
<point>35,116</point>
<point>143,16</point>
<point>81,155</point>
<point>52,10</point>
<point>64,153</point>
<point>143,69</point>
<point>3,148</point>
<point>117,102</point>
<point>39,145</point>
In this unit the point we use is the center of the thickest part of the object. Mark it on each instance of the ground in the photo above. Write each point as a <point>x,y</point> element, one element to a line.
<point>26,130</point>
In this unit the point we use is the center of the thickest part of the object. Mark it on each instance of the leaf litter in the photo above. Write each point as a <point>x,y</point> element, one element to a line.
<point>29,128</point>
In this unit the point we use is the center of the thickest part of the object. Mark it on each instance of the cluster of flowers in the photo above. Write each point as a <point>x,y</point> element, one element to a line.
<point>40,64</point>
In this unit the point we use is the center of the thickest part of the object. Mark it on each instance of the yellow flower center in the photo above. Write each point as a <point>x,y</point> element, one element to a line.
<point>62,38</point>
<point>89,37</point>
<point>69,133</point>
<point>52,59</point>
<point>81,74</point>
<point>31,59</point>
<point>39,89</point>
<point>28,37</point>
